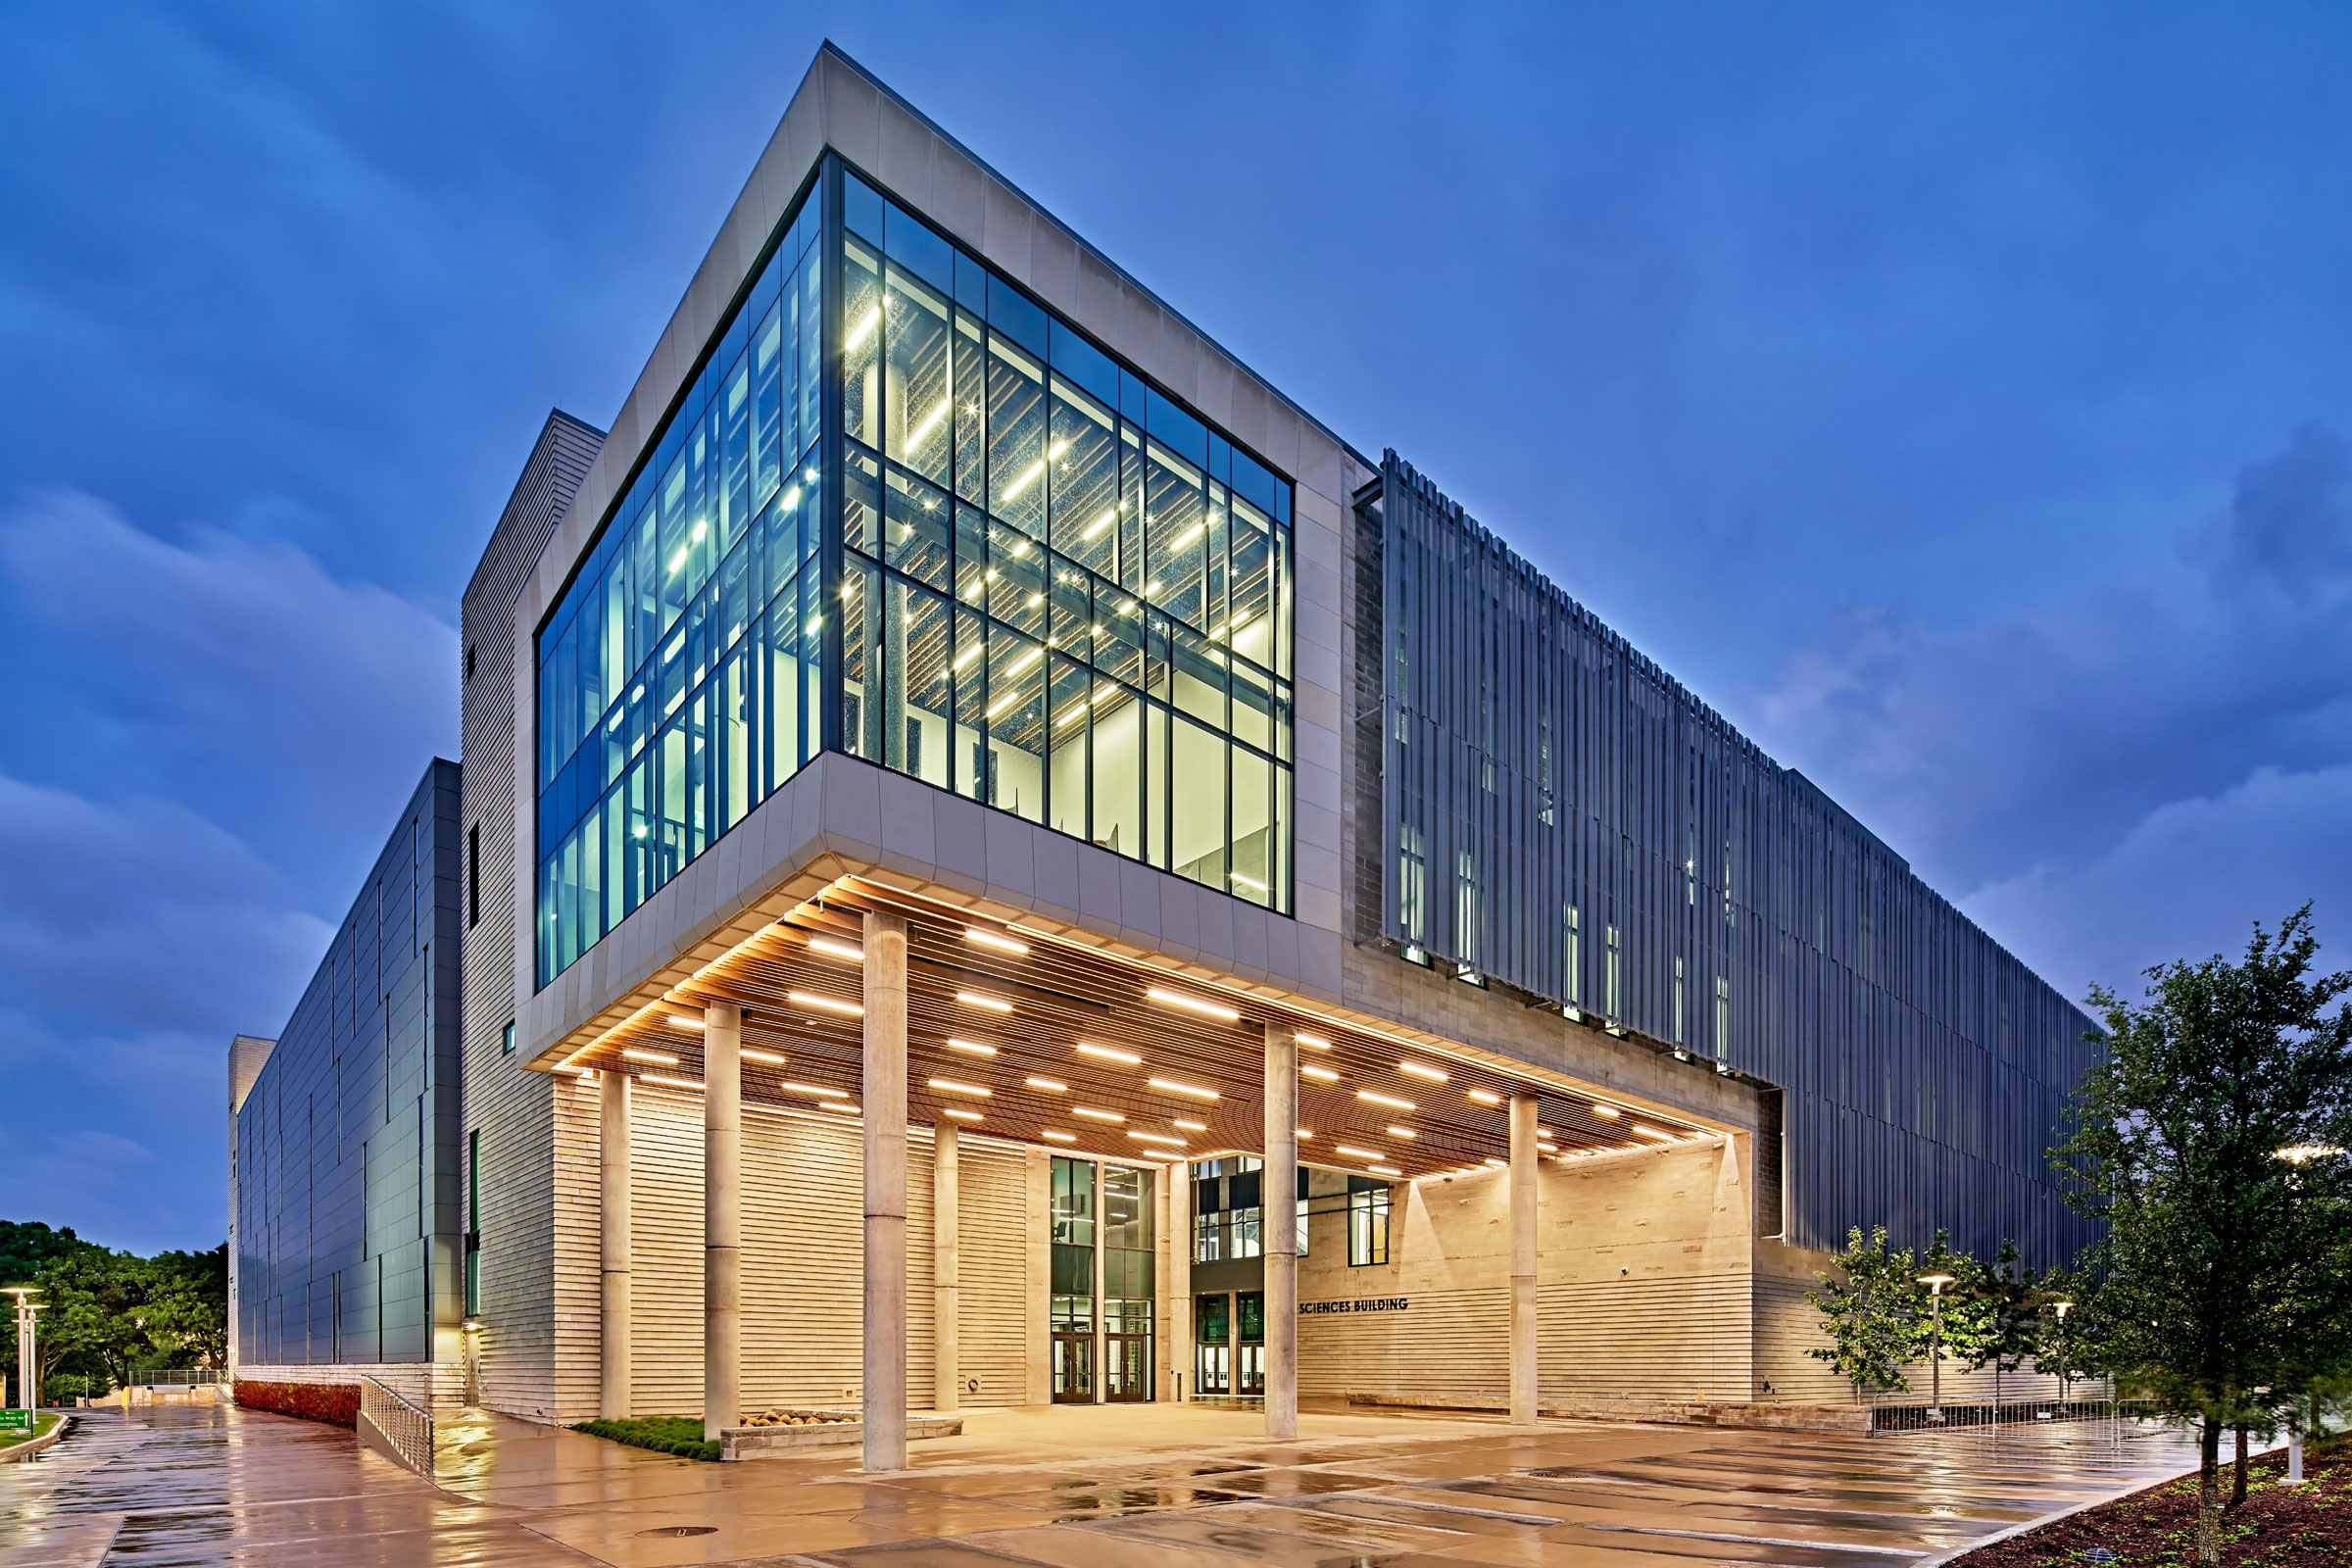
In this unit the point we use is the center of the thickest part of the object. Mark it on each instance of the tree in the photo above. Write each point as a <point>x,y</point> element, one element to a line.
<point>2210,1141</point>
<point>1872,1313</point>
<point>2001,1319</point>
<point>98,1305</point>
<point>26,1246</point>
<point>189,1306</point>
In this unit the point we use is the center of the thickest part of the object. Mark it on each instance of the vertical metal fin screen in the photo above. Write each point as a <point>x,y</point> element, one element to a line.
<point>1560,815</point>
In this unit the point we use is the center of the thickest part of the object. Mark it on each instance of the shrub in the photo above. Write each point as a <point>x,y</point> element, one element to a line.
<point>663,1434</point>
<point>337,1404</point>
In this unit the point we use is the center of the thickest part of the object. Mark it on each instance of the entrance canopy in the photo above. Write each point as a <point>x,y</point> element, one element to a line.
<point>1022,1033</point>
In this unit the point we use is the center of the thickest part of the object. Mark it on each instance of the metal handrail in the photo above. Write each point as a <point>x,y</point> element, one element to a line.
<point>404,1426</point>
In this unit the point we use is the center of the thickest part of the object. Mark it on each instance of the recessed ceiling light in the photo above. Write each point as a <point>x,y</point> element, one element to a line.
<point>1177,999</point>
<point>843,1106</point>
<point>1384,1170</point>
<point>808,999</point>
<point>818,1090</point>
<point>1051,1086</point>
<point>1092,1114</point>
<point>1156,1138</point>
<point>687,1020</point>
<point>1171,1086</point>
<point>971,1048</point>
<point>1189,1126</point>
<point>1386,1099</point>
<point>1302,1134</point>
<point>960,1113</point>
<point>1600,1109</point>
<point>973,998</point>
<point>1403,1132</point>
<point>669,1082</point>
<point>1313,1042</point>
<point>660,1058</point>
<point>1108,1053</point>
<point>837,950</point>
<point>1485,1097</point>
<point>993,939</point>
<point>948,1086</point>
<point>1498,1164</point>
<point>1433,1074</point>
<point>1062,1138</point>
<point>1357,1154</point>
<point>1652,1132</point>
<point>765,1058</point>
<point>1321,1075</point>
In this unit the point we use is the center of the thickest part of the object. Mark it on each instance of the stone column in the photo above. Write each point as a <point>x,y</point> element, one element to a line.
<point>885,1090</point>
<point>947,1267</point>
<point>1282,1231</point>
<point>722,1218</point>
<point>612,1158</point>
<point>1523,1260</point>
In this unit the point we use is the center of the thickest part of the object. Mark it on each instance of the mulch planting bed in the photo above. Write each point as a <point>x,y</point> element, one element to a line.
<point>2276,1527</point>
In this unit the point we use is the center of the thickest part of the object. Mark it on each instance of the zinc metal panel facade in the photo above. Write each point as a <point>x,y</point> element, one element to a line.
<point>347,1147</point>
<point>1561,816</point>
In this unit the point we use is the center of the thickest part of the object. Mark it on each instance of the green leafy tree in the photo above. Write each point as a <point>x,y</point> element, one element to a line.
<point>99,1301</point>
<point>188,1307</point>
<point>2210,1142</point>
<point>1872,1309</point>
<point>25,1246</point>
<point>2000,1313</point>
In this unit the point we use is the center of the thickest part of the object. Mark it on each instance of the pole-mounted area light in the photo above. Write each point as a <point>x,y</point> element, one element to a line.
<point>1935,1284</point>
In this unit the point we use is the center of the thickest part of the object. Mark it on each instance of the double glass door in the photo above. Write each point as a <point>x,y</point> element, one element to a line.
<point>1073,1368</point>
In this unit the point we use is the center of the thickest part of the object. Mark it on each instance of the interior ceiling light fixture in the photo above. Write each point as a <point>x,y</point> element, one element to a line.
<point>1177,999</point>
<point>837,950</point>
<point>843,1106</point>
<point>973,998</point>
<point>660,1058</point>
<point>1302,1134</point>
<point>686,1020</point>
<point>1312,1041</point>
<point>808,999</point>
<point>960,1113</point>
<point>1092,1114</point>
<point>1652,1132</point>
<point>1321,1075</point>
<point>1189,1126</point>
<point>765,1058</point>
<point>1051,1086</point>
<point>669,1082</point>
<point>1386,1099</point>
<point>1171,1086</point>
<point>818,1090</point>
<point>971,1048</point>
<point>1156,1138</point>
<point>1403,1132</point>
<point>948,1086</point>
<point>1384,1170</point>
<point>1110,1054</point>
<point>1485,1097</point>
<point>1062,1138</point>
<point>1498,1164</point>
<point>1600,1109</point>
<point>995,938</point>
<point>1353,1152</point>
<point>1433,1074</point>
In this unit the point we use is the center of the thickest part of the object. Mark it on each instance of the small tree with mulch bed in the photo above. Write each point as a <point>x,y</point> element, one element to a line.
<point>2277,1527</point>
<point>681,1435</point>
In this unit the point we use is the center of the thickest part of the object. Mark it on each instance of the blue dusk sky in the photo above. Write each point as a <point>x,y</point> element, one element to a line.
<point>1958,398</point>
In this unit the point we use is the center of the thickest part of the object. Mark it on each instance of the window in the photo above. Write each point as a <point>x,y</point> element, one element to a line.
<point>1053,589</point>
<point>473,875</point>
<point>1367,1221</point>
<point>468,663</point>
<point>505,1039</point>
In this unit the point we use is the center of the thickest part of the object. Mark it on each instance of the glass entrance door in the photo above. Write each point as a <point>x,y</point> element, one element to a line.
<point>1127,1368</point>
<point>1073,1369</point>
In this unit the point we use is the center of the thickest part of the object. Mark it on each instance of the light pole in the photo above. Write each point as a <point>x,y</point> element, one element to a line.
<point>26,1336</point>
<point>2066,1392</point>
<point>1935,1284</point>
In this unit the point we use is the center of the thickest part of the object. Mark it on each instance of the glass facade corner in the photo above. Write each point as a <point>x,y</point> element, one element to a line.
<point>907,512</point>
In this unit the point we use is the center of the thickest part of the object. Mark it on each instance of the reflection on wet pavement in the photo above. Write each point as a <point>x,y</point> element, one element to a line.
<point>1156,1487</point>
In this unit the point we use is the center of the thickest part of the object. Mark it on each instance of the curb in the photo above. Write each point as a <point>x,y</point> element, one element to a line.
<point>26,1451</point>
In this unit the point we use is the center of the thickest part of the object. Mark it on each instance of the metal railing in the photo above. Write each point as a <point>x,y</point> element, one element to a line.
<point>176,1376</point>
<point>395,1425</point>
<point>1984,1418</point>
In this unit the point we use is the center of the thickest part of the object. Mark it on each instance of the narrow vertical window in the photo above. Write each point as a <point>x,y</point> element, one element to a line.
<point>1368,1222</point>
<point>473,875</point>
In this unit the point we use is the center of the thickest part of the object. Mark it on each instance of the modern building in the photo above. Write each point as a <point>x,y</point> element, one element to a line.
<point>345,1148</point>
<point>1004,861</point>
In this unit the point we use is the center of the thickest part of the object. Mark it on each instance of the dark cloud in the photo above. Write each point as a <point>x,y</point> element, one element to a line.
<point>2152,761</point>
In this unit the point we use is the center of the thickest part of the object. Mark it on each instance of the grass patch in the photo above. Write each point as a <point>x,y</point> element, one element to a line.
<point>663,1434</point>
<point>42,1424</point>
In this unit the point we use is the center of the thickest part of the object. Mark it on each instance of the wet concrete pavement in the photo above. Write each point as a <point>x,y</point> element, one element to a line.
<point>1158,1487</point>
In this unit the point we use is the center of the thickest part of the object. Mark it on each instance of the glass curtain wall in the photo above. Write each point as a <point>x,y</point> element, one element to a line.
<point>679,676</point>
<point>1061,594</point>
<point>1058,592</point>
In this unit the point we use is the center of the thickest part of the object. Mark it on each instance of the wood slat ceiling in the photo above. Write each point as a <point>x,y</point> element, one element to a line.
<point>1058,998</point>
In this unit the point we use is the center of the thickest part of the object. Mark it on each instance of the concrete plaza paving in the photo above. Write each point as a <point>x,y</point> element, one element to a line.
<point>1155,1485</point>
